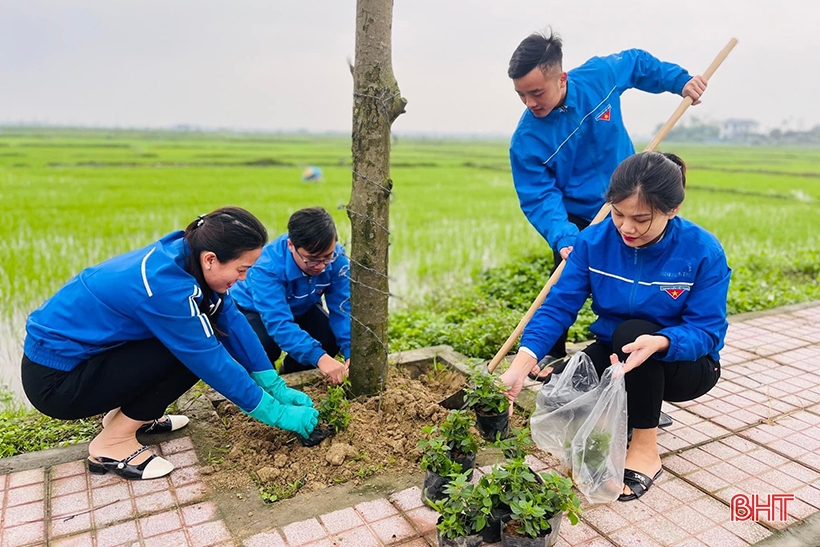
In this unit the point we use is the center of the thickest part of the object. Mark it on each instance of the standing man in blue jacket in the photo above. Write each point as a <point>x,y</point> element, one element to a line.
<point>282,296</point>
<point>572,136</point>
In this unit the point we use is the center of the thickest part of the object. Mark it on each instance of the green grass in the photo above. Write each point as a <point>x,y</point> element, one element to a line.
<point>71,198</point>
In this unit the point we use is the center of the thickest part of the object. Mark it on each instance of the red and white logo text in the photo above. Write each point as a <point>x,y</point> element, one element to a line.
<point>772,507</point>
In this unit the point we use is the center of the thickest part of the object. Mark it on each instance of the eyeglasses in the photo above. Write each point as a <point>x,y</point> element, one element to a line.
<point>320,262</point>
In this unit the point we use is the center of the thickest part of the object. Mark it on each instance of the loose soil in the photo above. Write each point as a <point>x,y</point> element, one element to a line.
<point>382,438</point>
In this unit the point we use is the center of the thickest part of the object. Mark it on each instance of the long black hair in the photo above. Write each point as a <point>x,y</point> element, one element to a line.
<point>657,178</point>
<point>227,232</point>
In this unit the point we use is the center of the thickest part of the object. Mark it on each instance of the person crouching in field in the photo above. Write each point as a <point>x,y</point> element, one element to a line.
<point>659,285</point>
<point>282,297</point>
<point>132,334</point>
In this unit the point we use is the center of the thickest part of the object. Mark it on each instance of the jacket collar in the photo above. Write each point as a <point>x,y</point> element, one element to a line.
<point>661,246</point>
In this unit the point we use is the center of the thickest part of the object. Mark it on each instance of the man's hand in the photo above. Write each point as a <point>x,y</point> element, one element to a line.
<point>694,88</point>
<point>513,378</point>
<point>564,252</point>
<point>644,347</point>
<point>333,369</point>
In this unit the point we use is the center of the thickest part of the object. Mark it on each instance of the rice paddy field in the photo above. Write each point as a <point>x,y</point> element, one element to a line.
<point>74,197</point>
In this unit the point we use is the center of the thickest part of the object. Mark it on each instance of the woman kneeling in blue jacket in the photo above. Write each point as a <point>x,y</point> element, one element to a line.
<point>658,285</point>
<point>132,334</point>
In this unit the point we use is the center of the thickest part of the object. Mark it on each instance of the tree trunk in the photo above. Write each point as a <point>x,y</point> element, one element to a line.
<point>377,102</point>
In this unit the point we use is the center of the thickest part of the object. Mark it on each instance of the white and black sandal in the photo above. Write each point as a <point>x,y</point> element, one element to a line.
<point>173,422</point>
<point>152,468</point>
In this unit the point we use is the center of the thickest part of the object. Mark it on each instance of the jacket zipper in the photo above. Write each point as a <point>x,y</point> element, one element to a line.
<point>637,265</point>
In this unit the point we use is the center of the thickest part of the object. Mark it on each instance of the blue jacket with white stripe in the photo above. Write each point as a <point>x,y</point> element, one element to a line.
<point>562,163</point>
<point>148,294</point>
<point>679,283</point>
<point>278,290</point>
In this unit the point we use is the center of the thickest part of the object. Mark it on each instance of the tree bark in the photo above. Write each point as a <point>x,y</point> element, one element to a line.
<point>377,102</point>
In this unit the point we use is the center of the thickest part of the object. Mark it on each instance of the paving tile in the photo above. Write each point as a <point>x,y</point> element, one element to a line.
<point>68,470</point>
<point>423,518</point>
<point>749,464</point>
<point>265,539</point>
<point>679,465</point>
<point>809,494</point>
<point>535,464</point>
<point>25,478</point>
<point>160,523</point>
<point>700,457</point>
<point>321,543</point>
<point>186,475</point>
<point>68,485</point>
<point>3,481</point>
<point>24,494</point>
<point>407,499</point>
<point>663,531</point>
<point>98,481</point>
<point>70,504</point>
<point>575,535</point>
<point>119,534</point>
<point>209,533</point>
<point>141,488</point>
<point>183,459</point>
<point>154,502</point>
<point>375,510</point>
<point>692,542</point>
<point>191,493</point>
<point>22,514</point>
<point>357,537</point>
<point>710,508</point>
<point>176,445</point>
<point>782,481</point>
<point>418,542</point>
<point>343,519</point>
<point>24,534</point>
<point>707,481</point>
<point>680,490</point>
<point>721,536</point>
<point>749,530</point>
<point>201,512</point>
<point>166,540</point>
<point>115,512</point>
<point>605,519</point>
<point>392,530</point>
<point>108,494</point>
<point>301,533</point>
<point>66,526</point>
<point>633,537</point>
<point>81,540</point>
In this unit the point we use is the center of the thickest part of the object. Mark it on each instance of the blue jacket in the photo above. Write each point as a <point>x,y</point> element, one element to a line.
<point>148,294</point>
<point>562,163</point>
<point>278,291</point>
<point>680,283</point>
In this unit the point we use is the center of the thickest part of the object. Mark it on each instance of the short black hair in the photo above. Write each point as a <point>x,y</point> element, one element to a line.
<point>536,50</point>
<point>658,179</point>
<point>312,229</point>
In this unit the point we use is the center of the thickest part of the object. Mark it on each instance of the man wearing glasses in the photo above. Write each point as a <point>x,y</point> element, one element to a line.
<point>282,296</point>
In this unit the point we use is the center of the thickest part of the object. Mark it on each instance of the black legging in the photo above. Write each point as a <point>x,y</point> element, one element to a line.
<point>653,382</point>
<point>315,322</point>
<point>560,347</point>
<point>142,378</point>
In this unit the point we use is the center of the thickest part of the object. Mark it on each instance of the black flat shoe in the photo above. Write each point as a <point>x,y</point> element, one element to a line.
<point>638,483</point>
<point>172,422</point>
<point>152,468</point>
<point>665,420</point>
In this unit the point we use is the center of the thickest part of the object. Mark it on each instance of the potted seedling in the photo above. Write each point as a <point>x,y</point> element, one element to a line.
<point>463,445</point>
<point>436,461</point>
<point>484,393</point>
<point>464,511</point>
<point>537,504</point>
<point>517,444</point>
<point>334,415</point>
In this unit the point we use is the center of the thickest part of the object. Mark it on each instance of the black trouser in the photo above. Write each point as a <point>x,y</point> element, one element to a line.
<point>653,382</point>
<point>560,347</point>
<point>315,322</point>
<point>142,378</point>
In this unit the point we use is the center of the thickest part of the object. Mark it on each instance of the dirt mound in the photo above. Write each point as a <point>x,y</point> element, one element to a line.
<point>382,437</point>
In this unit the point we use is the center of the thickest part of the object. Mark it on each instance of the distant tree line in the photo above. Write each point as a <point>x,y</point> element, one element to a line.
<point>697,130</point>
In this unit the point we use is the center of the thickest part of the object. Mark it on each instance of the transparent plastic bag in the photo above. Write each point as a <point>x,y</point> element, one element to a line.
<point>598,450</point>
<point>559,411</point>
<point>577,378</point>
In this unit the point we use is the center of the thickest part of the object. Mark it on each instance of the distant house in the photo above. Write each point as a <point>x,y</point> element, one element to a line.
<point>734,129</point>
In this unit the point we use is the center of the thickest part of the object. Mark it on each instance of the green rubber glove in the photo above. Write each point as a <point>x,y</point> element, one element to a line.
<point>299,419</point>
<point>272,383</point>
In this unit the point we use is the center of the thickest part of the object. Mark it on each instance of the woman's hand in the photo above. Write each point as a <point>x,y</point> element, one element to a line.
<point>644,347</point>
<point>513,378</point>
<point>333,369</point>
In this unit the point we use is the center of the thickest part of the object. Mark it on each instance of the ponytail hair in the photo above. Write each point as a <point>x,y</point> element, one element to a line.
<point>658,179</point>
<point>227,232</point>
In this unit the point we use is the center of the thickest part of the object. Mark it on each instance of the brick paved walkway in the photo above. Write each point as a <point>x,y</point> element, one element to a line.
<point>757,432</point>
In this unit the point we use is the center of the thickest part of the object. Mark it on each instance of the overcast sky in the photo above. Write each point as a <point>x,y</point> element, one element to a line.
<point>281,64</point>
